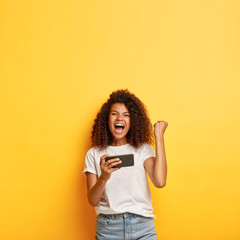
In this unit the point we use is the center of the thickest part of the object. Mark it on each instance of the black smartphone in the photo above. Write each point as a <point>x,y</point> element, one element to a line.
<point>127,160</point>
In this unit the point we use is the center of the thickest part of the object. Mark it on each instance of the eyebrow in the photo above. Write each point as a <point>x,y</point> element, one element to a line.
<point>118,112</point>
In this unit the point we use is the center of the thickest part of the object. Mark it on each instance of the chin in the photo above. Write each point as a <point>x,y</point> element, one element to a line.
<point>118,138</point>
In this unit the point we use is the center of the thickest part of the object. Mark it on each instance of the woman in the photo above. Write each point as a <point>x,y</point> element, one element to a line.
<point>121,196</point>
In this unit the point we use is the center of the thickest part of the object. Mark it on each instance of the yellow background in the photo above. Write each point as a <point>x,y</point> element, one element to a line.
<point>60,60</point>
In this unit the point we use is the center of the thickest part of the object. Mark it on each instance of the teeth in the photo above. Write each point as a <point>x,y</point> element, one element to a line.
<point>119,125</point>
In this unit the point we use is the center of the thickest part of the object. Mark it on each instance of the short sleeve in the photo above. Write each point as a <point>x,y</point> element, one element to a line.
<point>89,165</point>
<point>147,152</point>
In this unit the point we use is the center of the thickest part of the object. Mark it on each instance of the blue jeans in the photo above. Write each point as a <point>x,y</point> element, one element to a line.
<point>125,226</point>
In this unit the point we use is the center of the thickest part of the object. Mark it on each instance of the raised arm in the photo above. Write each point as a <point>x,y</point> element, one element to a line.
<point>157,167</point>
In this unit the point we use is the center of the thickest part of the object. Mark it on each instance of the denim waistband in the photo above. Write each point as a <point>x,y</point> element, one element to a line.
<point>120,215</point>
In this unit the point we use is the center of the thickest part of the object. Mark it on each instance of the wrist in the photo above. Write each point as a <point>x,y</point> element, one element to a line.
<point>102,180</point>
<point>159,137</point>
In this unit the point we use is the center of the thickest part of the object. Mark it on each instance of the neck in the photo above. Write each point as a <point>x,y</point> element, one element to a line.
<point>119,142</point>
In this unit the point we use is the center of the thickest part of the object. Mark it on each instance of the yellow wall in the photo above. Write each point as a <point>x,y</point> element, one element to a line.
<point>60,60</point>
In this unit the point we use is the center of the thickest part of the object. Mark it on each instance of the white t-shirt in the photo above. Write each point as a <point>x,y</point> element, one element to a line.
<point>127,190</point>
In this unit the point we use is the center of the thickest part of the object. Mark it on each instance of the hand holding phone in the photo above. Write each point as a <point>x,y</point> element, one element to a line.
<point>107,167</point>
<point>127,160</point>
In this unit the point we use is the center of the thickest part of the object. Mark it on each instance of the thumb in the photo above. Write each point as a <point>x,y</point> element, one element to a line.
<point>102,158</point>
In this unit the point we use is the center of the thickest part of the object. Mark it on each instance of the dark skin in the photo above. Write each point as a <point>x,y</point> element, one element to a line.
<point>155,167</point>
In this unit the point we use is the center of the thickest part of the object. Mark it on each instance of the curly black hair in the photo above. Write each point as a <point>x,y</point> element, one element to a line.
<point>140,126</point>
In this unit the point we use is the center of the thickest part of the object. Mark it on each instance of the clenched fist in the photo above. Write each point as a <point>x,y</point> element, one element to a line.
<point>159,128</point>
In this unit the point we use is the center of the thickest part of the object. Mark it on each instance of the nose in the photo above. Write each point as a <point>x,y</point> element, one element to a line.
<point>119,117</point>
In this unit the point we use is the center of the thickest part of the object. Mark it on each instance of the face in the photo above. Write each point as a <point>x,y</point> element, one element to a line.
<point>119,122</point>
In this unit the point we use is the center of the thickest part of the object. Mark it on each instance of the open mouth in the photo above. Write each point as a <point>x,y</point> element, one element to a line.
<point>119,128</point>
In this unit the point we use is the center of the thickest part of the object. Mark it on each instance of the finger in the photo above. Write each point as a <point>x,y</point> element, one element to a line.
<point>111,161</point>
<point>102,158</point>
<point>114,164</point>
<point>106,164</point>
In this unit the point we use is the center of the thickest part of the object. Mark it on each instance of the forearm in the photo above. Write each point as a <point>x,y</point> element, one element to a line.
<point>95,193</point>
<point>160,166</point>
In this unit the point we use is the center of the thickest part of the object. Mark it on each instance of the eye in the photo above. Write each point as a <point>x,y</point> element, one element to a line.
<point>127,115</point>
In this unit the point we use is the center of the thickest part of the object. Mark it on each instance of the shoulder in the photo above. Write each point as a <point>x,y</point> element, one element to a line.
<point>92,152</point>
<point>145,147</point>
<point>146,151</point>
<point>95,151</point>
